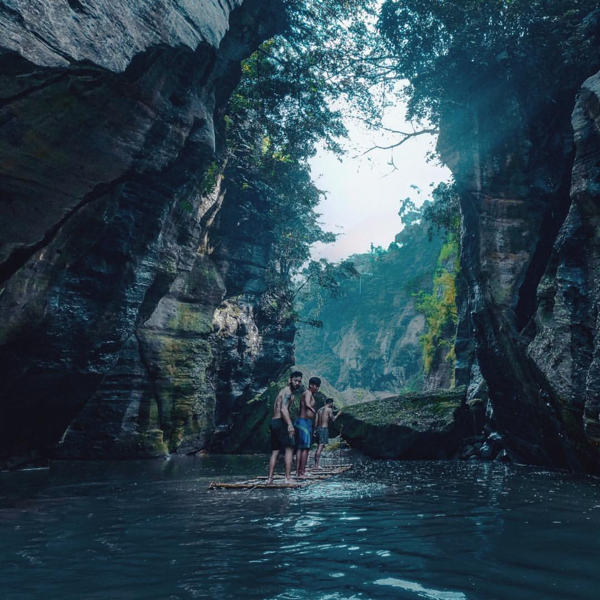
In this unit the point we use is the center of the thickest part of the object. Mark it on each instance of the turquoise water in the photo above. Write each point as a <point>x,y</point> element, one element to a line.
<point>386,530</point>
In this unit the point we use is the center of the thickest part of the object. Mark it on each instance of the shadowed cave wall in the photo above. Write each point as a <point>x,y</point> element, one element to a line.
<point>125,289</point>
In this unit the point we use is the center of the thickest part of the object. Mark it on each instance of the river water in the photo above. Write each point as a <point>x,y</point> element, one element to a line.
<point>151,529</point>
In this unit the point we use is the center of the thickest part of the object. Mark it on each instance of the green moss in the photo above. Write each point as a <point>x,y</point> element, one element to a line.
<point>192,318</point>
<point>412,410</point>
<point>147,443</point>
<point>211,178</point>
<point>440,309</point>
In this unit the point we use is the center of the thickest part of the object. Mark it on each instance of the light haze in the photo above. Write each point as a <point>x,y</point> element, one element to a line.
<point>364,191</point>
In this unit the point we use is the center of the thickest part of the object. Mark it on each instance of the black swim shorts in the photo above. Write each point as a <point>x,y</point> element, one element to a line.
<point>280,436</point>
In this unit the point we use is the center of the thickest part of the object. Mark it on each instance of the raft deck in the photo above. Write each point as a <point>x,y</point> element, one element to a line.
<point>312,476</point>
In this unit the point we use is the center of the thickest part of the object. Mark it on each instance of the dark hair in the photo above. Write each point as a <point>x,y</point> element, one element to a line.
<point>295,374</point>
<point>314,381</point>
<point>328,400</point>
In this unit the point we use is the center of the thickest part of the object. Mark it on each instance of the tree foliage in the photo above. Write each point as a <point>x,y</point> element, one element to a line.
<point>453,53</point>
<point>441,213</point>
<point>290,99</point>
<point>301,84</point>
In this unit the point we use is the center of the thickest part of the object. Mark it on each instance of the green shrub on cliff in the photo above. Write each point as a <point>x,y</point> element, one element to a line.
<point>439,308</point>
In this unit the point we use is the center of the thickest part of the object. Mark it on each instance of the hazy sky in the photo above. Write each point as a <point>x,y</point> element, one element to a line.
<point>365,192</point>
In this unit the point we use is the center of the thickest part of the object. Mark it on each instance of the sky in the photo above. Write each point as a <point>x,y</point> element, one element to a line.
<point>364,192</point>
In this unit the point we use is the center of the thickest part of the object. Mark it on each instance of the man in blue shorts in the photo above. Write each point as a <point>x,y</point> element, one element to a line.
<point>303,426</point>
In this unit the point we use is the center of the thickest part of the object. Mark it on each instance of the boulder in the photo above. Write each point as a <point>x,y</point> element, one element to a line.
<point>413,426</point>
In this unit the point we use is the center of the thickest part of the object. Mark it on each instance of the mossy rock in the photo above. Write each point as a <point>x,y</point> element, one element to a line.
<point>249,432</point>
<point>417,425</point>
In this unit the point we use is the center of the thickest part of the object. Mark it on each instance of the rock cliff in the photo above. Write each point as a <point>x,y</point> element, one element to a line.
<point>566,344</point>
<point>529,200</point>
<point>370,341</point>
<point>126,288</point>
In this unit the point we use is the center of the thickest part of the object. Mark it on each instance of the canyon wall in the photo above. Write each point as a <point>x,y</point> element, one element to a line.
<point>527,174</point>
<point>128,287</point>
<point>369,344</point>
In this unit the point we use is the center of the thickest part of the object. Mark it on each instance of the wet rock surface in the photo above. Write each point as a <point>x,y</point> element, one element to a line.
<point>114,258</point>
<point>566,345</point>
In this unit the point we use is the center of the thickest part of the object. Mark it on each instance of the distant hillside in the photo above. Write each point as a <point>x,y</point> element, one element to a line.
<point>370,339</point>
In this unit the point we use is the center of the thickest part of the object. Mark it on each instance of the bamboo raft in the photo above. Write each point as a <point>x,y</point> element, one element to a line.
<point>312,476</point>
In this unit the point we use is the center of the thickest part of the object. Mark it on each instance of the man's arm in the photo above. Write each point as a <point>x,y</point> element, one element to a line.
<point>285,409</point>
<point>339,412</point>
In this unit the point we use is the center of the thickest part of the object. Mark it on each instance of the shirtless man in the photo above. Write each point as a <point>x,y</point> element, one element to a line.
<point>324,416</point>
<point>282,430</point>
<point>303,426</point>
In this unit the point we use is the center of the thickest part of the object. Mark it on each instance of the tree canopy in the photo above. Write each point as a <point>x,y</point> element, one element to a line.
<point>349,57</point>
<point>452,53</point>
<point>291,99</point>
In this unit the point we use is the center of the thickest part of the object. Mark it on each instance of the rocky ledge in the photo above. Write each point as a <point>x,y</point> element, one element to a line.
<point>412,426</point>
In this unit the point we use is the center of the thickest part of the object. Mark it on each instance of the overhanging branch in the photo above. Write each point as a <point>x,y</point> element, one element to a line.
<point>406,136</point>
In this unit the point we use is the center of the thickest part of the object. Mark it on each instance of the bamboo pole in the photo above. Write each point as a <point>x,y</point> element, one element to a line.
<point>260,481</point>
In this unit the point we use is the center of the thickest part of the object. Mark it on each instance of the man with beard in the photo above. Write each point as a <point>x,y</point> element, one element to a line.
<point>282,429</point>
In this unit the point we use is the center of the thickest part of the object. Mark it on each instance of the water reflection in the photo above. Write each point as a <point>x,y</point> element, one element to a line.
<point>385,530</point>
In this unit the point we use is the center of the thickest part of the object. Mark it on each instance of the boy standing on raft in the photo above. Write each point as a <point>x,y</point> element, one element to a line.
<point>303,426</point>
<point>324,415</point>
<point>282,430</point>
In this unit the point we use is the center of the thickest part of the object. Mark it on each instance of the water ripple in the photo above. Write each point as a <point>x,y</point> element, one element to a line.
<point>385,530</point>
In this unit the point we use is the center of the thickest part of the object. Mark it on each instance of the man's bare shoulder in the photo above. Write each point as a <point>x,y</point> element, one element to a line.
<point>285,392</point>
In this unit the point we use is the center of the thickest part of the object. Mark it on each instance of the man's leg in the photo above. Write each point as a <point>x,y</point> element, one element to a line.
<point>300,463</point>
<point>272,463</point>
<point>288,464</point>
<point>304,461</point>
<point>318,455</point>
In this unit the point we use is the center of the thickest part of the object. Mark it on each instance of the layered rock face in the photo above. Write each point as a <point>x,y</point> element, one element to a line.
<point>126,288</point>
<point>567,340</point>
<point>530,203</point>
